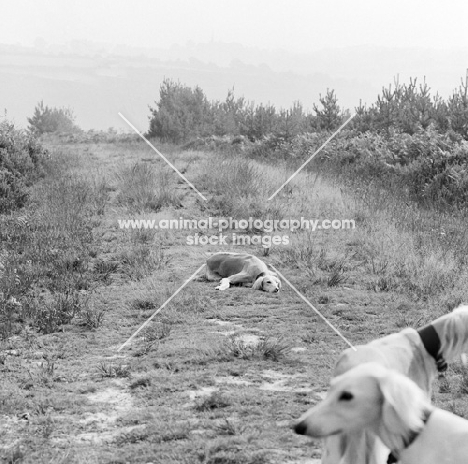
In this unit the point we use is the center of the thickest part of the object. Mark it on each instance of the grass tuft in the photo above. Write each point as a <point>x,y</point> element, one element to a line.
<point>268,348</point>
<point>114,370</point>
<point>215,400</point>
<point>143,188</point>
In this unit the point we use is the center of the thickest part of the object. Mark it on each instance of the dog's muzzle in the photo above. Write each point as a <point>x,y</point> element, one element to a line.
<point>300,428</point>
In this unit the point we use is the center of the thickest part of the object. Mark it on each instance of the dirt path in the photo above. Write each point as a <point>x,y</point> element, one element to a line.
<point>217,378</point>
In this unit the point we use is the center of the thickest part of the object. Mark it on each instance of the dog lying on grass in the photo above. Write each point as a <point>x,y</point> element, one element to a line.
<point>386,403</point>
<point>241,268</point>
<point>418,354</point>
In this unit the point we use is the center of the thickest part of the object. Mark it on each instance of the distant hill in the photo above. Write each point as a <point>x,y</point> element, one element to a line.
<point>99,80</point>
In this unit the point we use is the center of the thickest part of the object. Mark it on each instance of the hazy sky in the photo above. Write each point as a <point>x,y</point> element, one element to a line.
<point>295,25</point>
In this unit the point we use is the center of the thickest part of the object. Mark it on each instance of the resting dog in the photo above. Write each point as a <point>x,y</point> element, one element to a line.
<point>241,268</point>
<point>390,405</point>
<point>419,355</point>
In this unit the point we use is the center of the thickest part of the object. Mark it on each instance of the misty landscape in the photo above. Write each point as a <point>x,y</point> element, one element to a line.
<point>99,80</point>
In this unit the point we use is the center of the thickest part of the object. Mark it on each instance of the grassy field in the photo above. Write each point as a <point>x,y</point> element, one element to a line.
<point>217,377</point>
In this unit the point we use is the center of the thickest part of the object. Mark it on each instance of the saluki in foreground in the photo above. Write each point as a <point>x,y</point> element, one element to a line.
<point>418,354</point>
<point>390,405</point>
<point>241,268</point>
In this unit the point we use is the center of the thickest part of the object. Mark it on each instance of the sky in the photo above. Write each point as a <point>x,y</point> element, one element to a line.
<point>293,25</point>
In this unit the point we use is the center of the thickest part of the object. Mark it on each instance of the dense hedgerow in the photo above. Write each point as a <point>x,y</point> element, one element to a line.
<point>21,158</point>
<point>183,114</point>
<point>410,107</point>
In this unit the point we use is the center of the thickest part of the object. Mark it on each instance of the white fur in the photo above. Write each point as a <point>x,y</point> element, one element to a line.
<point>390,405</point>
<point>223,284</point>
<point>405,353</point>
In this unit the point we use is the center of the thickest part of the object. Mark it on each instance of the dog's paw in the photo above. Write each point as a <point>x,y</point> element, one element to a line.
<point>223,285</point>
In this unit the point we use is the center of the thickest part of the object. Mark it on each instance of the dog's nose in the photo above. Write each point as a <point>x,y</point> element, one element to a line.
<point>300,428</point>
<point>276,290</point>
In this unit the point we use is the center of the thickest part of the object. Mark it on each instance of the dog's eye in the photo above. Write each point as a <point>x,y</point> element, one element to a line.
<point>346,396</point>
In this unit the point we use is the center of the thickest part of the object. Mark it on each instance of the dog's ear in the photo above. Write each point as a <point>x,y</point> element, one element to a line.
<point>258,284</point>
<point>279,283</point>
<point>403,406</point>
<point>453,334</point>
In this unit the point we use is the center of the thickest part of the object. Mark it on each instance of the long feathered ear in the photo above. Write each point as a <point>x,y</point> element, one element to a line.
<point>453,333</point>
<point>258,284</point>
<point>403,407</point>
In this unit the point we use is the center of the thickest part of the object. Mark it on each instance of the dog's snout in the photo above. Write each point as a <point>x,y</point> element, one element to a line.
<point>276,290</point>
<point>300,428</point>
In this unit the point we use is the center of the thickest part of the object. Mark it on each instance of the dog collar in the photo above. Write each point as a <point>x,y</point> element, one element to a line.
<point>259,275</point>
<point>394,455</point>
<point>431,341</point>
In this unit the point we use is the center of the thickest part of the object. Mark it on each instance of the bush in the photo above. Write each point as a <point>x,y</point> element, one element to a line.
<point>50,120</point>
<point>441,178</point>
<point>427,167</point>
<point>21,158</point>
<point>45,270</point>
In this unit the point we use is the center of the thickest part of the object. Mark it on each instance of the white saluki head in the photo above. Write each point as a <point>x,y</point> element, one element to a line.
<point>268,283</point>
<point>373,398</point>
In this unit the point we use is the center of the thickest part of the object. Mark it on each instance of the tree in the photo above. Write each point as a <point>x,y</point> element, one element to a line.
<point>457,107</point>
<point>228,116</point>
<point>48,120</point>
<point>329,116</point>
<point>291,122</point>
<point>180,114</point>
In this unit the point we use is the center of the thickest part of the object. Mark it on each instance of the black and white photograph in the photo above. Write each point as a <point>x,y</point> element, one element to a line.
<point>233,232</point>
